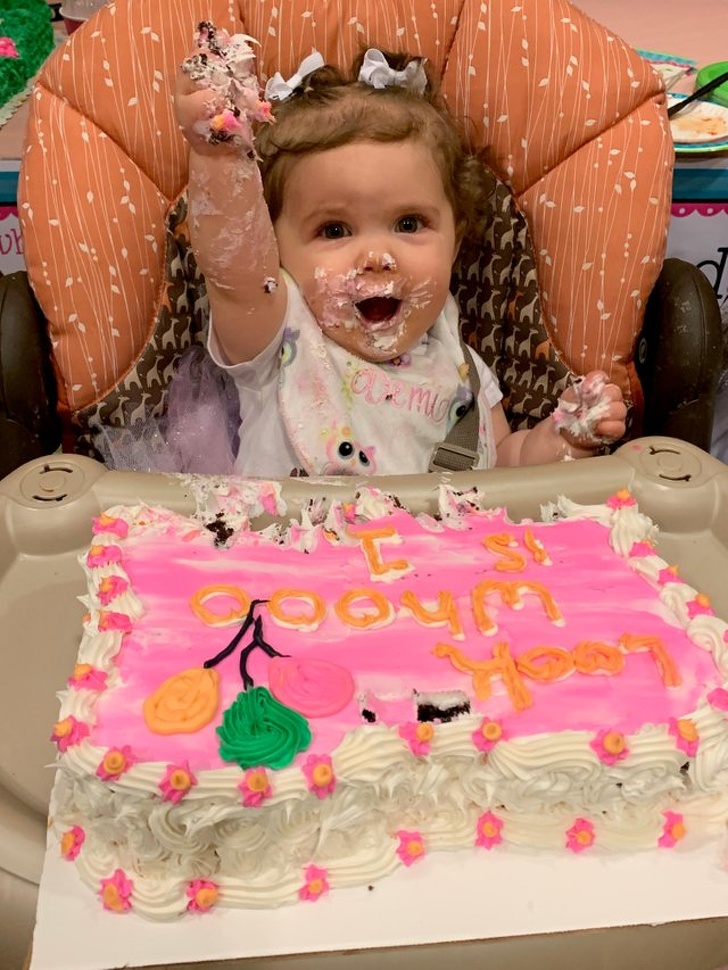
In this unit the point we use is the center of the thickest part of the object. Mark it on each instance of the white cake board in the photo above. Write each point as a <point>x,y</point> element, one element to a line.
<point>469,895</point>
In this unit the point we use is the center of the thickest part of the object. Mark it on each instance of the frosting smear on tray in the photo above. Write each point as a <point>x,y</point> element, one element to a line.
<point>259,717</point>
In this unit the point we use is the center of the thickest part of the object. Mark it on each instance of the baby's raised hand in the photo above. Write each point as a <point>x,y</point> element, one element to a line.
<point>217,98</point>
<point>591,412</point>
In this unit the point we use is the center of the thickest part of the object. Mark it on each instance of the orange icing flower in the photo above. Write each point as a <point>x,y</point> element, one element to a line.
<point>610,746</point>
<point>184,703</point>
<point>116,891</point>
<point>315,885</point>
<point>68,732</point>
<point>580,836</point>
<point>203,895</point>
<point>110,587</point>
<point>110,523</point>
<point>418,736</point>
<point>489,828</point>
<point>71,842</point>
<point>487,735</point>
<point>700,606</point>
<point>255,787</point>
<point>320,775</point>
<point>109,621</point>
<point>177,782</point>
<point>411,847</point>
<point>114,763</point>
<point>685,733</point>
<point>621,499</point>
<point>101,555</point>
<point>87,677</point>
<point>674,830</point>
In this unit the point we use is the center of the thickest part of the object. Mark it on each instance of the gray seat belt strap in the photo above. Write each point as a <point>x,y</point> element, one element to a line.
<point>459,451</point>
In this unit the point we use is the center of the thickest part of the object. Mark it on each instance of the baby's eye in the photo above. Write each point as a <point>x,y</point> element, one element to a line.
<point>334,230</point>
<point>409,224</point>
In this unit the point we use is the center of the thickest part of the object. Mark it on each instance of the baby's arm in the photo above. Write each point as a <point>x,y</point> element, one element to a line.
<point>217,102</point>
<point>590,414</point>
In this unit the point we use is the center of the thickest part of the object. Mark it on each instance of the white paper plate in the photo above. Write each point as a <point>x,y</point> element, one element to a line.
<point>701,123</point>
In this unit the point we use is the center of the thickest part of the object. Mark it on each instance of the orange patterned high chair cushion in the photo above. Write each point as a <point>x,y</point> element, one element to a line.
<point>574,121</point>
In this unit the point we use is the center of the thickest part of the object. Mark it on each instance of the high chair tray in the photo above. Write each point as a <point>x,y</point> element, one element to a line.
<point>45,516</point>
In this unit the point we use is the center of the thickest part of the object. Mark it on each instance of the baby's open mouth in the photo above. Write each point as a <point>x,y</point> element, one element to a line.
<point>378,309</point>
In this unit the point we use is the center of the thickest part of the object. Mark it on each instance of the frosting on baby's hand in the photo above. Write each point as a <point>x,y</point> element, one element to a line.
<point>579,418</point>
<point>224,65</point>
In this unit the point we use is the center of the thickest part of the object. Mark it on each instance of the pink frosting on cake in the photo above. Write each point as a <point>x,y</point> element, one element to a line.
<point>390,662</point>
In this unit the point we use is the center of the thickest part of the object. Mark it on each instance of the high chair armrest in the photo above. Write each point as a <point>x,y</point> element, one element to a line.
<point>679,355</point>
<point>29,423</point>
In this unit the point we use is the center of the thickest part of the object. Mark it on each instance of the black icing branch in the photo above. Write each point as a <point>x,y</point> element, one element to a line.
<point>257,641</point>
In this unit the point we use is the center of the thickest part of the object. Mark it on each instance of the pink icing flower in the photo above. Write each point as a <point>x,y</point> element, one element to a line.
<point>116,891</point>
<point>8,48</point>
<point>110,587</point>
<point>685,734</point>
<point>71,842</point>
<point>580,836</point>
<point>418,736</point>
<point>718,699</point>
<point>673,831</point>
<point>108,621</point>
<point>255,787</point>
<point>319,775</point>
<point>87,677</point>
<point>668,575</point>
<point>68,732</point>
<point>620,500</point>
<point>411,847</point>
<point>643,548</point>
<point>177,782</point>
<point>487,735</point>
<point>700,606</point>
<point>315,884</point>
<point>114,763</point>
<point>610,746</point>
<point>103,555</point>
<point>203,895</point>
<point>110,524</point>
<point>489,828</point>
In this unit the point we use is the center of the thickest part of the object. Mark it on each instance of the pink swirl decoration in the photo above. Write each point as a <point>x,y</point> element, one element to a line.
<point>314,688</point>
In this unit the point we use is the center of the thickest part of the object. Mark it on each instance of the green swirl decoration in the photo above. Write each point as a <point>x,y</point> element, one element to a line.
<point>257,730</point>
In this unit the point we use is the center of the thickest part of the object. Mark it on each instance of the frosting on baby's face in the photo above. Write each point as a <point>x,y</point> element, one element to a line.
<point>368,234</point>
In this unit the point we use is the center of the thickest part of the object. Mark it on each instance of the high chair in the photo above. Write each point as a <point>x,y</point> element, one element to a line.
<point>568,275</point>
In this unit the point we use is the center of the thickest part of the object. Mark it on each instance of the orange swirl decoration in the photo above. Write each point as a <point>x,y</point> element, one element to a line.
<point>184,703</point>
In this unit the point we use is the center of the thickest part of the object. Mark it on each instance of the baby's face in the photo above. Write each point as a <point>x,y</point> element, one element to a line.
<point>368,234</point>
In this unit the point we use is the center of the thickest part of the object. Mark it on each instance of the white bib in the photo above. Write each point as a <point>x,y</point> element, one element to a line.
<point>344,415</point>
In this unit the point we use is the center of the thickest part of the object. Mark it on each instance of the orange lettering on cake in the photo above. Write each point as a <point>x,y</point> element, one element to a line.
<point>535,547</point>
<point>303,621</point>
<point>199,600</point>
<point>383,611</point>
<point>501,665</point>
<point>591,657</point>
<point>654,645</point>
<point>545,663</point>
<point>370,539</point>
<point>444,614</point>
<point>502,544</point>
<point>510,591</point>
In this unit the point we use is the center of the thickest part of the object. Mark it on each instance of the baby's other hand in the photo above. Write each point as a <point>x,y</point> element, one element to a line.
<point>591,412</point>
<point>217,96</point>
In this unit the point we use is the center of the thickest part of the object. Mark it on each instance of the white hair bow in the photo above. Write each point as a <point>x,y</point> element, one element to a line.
<point>376,72</point>
<point>278,89</point>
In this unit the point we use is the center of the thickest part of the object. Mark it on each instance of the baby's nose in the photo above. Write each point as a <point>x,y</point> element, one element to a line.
<point>378,261</point>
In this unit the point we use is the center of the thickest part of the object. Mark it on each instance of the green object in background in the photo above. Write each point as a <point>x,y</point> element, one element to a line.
<point>706,74</point>
<point>27,24</point>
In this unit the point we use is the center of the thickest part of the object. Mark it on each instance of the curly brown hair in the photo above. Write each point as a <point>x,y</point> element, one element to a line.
<point>333,108</point>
